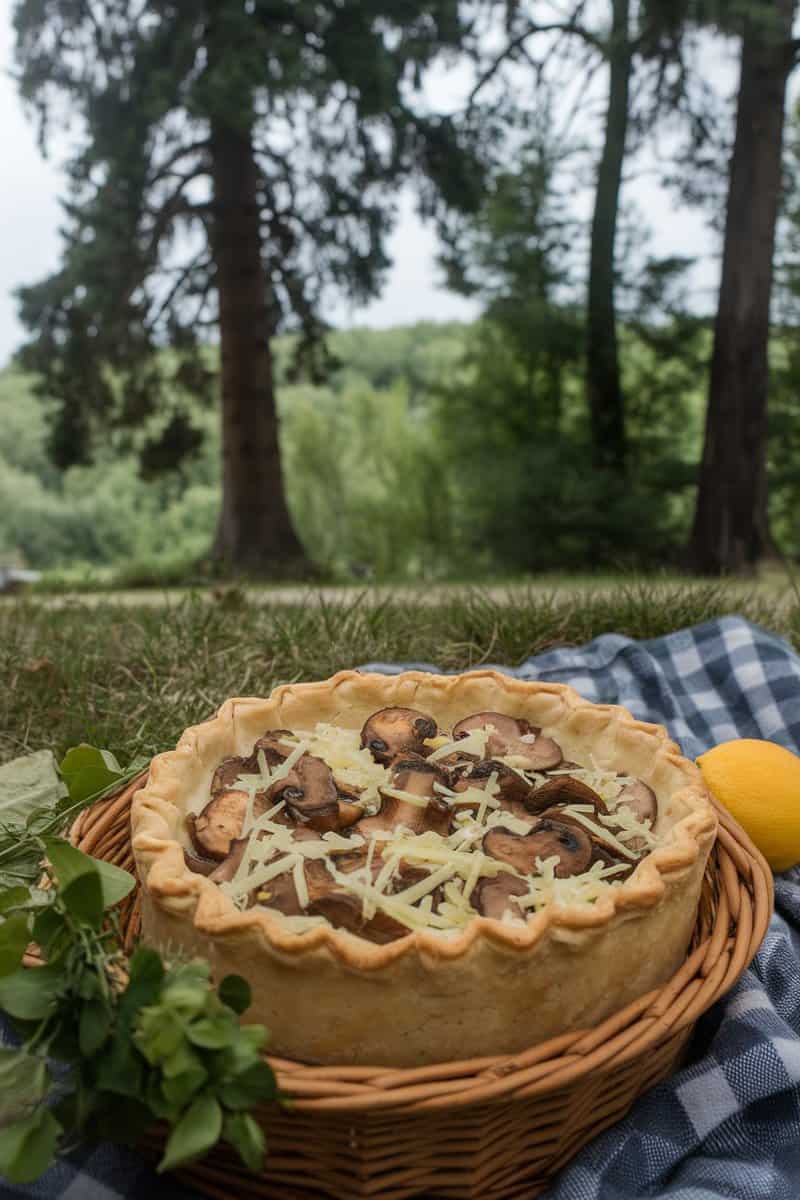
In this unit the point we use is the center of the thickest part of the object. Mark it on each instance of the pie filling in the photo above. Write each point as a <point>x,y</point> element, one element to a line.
<point>401,827</point>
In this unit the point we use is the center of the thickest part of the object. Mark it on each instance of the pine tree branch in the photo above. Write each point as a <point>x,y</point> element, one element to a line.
<point>202,259</point>
<point>165,168</point>
<point>517,45</point>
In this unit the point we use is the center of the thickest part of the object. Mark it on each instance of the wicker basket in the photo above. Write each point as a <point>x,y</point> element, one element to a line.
<point>490,1128</point>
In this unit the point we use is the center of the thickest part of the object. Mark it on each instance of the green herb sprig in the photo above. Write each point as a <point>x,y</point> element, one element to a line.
<point>109,1045</point>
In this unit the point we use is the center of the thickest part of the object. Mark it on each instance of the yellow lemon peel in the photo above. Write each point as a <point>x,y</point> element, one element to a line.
<point>759,784</point>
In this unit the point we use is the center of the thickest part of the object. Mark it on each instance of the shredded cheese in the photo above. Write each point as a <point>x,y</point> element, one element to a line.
<point>454,863</point>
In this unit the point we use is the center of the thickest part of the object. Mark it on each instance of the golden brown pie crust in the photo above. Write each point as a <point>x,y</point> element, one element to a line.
<point>492,988</point>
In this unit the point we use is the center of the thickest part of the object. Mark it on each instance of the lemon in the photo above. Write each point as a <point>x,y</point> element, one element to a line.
<point>759,784</point>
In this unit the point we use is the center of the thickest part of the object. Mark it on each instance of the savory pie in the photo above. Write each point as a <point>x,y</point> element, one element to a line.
<point>418,868</point>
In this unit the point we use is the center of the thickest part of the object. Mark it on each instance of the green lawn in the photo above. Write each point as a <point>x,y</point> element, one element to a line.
<point>130,677</point>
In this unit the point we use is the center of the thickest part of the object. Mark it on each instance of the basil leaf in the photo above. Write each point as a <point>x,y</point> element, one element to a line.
<point>247,1137</point>
<point>195,1133</point>
<point>27,1147</point>
<point>94,1026</point>
<point>87,770</point>
<point>211,1033</point>
<point>180,1089</point>
<point>235,992</point>
<point>78,880</point>
<point>13,897</point>
<point>115,883</point>
<point>48,927</point>
<point>254,1085</point>
<point>30,993</point>
<point>120,1069</point>
<point>23,1082</point>
<point>15,935</point>
<point>145,974</point>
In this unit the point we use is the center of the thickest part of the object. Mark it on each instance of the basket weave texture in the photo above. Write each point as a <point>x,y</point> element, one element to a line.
<point>490,1128</point>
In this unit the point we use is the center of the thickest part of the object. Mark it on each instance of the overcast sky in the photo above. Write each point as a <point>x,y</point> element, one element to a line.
<point>30,218</point>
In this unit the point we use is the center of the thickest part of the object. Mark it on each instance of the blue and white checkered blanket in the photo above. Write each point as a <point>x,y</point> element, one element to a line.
<point>728,1124</point>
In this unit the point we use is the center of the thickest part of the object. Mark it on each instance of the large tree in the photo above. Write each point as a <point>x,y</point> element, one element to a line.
<point>635,45</point>
<point>233,161</point>
<point>730,531</point>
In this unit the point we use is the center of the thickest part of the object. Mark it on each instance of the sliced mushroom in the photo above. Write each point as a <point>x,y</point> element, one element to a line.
<point>219,824</point>
<point>641,800</point>
<point>572,846</point>
<point>199,863</point>
<point>563,789</point>
<point>397,731</point>
<point>538,755</point>
<point>417,776</point>
<point>514,789</point>
<point>513,737</point>
<point>276,748</point>
<point>602,850</point>
<point>495,897</point>
<point>309,793</point>
<point>275,751</point>
<point>228,772</point>
<point>345,911</point>
<point>509,729</point>
<point>418,818</point>
<point>281,892</point>
<point>456,765</point>
<point>230,865</point>
<point>348,814</point>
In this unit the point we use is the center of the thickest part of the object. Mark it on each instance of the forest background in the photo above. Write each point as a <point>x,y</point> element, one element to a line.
<point>562,430</point>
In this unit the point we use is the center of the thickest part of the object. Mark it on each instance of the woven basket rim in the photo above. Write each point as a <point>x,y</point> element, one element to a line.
<point>737,874</point>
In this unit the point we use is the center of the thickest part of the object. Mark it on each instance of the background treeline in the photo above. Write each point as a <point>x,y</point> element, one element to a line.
<point>431,453</point>
<point>235,169</point>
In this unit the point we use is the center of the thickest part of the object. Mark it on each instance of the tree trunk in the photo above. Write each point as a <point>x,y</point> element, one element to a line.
<point>254,534</point>
<point>603,386</point>
<point>731,530</point>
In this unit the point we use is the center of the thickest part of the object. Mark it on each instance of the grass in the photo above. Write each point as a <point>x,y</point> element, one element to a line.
<point>132,678</point>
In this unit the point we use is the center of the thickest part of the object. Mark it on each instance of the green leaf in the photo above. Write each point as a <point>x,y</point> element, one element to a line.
<point>21,863</point>
<point>235,992</point>
<point>116,884</point>
<point>180,1089</point>
<point>27,1148</point>
<point>48,927</point>
<point>183,1059</point>
<point>87,770</point>
<point>94,1025</point>
<point>84,899</point>
<point>247,1137</point>
<point>120,1070</point>
<point>14,897</point>
<point>212,1033</point>
<point>15,935</point>
<point>158,1033</point>
<point>253,1086</point>
<point>78,879</point>
<point>195,1133</point>
<point>27,785</point>
<point>31,993</point>
<point>145,975</point>
<point>23,1082</point>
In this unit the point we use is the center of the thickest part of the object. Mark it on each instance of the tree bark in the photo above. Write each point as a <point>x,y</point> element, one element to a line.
<point>731,529</point>
<point>603,385</point>
<point>255,534</point>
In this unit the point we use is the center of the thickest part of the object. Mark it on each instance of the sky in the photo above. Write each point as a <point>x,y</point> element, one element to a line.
<point>30,217</point>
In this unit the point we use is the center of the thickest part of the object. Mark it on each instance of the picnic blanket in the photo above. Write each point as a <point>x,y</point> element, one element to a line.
<point>727,1124</point>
